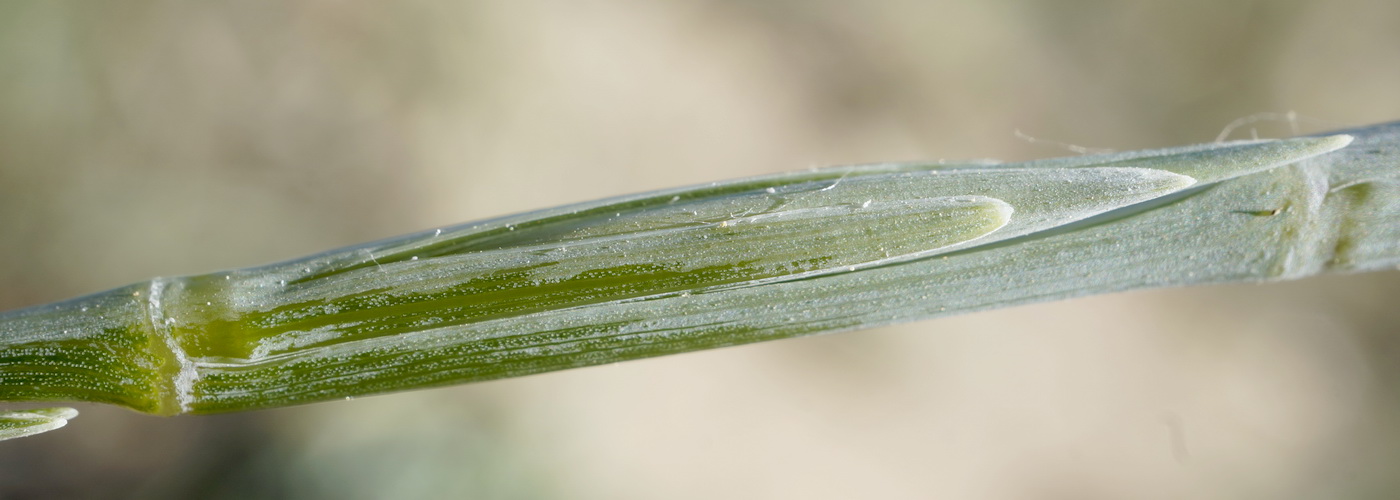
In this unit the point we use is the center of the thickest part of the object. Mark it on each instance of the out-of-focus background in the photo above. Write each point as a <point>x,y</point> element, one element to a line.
<point>149,138</point>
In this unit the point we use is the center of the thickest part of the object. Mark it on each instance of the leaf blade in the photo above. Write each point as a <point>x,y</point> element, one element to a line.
<point>21,423</point>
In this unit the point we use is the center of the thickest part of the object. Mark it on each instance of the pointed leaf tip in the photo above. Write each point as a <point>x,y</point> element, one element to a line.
<point>21,423</point>
<point>1334,142</point>
<point>1223,161</point>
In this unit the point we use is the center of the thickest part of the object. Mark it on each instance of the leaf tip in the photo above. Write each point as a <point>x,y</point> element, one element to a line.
<point>21,423</point>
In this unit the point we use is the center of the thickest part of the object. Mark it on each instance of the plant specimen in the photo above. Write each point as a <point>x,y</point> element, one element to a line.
<point>709,266</point>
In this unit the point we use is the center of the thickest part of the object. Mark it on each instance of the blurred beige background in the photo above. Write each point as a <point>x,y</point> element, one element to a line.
<point>150,138</point>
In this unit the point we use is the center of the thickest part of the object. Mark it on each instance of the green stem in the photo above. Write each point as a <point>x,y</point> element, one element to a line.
<point>718,265</point>
<point>97,348</point>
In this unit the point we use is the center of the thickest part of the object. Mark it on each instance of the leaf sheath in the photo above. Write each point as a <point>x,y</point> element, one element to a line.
<point>711,266</point>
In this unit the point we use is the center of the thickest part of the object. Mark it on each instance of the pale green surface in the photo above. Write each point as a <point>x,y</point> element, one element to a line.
<point>21,423</point>
<point>152,138</point>
<point>701,267</point>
